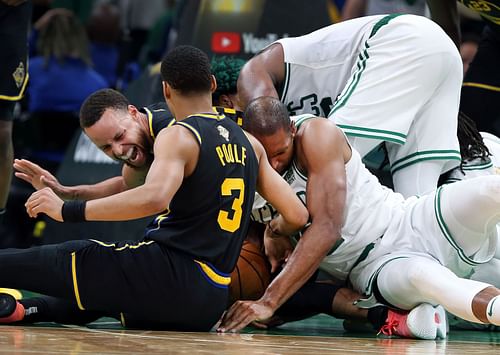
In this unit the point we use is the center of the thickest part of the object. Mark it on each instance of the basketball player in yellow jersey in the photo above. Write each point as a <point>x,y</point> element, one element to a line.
<point>201,183</point>
<point>148,120</point>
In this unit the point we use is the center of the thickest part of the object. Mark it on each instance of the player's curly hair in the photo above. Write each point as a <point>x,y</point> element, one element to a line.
<point>226,70</point>
<point>187,70</point>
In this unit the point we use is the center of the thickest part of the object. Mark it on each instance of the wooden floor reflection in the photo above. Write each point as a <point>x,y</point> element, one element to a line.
<point>81,340</point>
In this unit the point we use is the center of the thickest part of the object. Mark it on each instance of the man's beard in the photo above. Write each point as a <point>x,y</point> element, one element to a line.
<point>147,149</point>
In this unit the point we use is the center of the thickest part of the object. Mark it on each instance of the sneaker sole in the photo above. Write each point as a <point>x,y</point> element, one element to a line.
<point>427,322</point>
<point>442,325</point>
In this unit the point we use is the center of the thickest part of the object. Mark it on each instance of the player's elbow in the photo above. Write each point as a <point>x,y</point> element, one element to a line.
<point>157,206</point>
<point>154,202</point>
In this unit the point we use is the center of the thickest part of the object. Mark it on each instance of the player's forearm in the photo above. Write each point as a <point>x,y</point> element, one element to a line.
<point>255,80</point>
<point>290,226</point>
<point>253,89</point>
<point>139,202</point>
<point>102,189</point>
<point>316,242</point>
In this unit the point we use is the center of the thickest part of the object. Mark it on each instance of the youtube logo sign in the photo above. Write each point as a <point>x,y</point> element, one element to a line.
<point>226,42</point>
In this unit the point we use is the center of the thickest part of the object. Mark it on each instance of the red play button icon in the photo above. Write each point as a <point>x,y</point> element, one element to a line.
<point>226,42</point>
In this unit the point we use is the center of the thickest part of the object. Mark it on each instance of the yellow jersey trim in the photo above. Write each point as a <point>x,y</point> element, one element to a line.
<point>214,276</point>
<point>13,292</point>
<point>75,282</point>
<point>122,319</point>
<point>212,116</point>
<point>192,129</point>
<point>126,246</point>
<point>21,93</point>
<point>482,86</point>
<point>160,218</point>
<point>150,120</point>
<point>102,243</point>
<point>231,111</point>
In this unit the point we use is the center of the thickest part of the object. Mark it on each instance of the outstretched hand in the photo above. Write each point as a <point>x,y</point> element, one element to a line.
<point>38,177</point>
<point>45,201</point>
<point>243,313</point>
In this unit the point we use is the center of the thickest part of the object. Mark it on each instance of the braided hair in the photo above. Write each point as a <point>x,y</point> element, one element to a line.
<point>471,143</point>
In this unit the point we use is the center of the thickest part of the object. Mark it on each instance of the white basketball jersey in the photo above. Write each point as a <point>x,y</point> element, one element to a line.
<point>370,76</point>
<point>318,65</point>
<point>369,209</point>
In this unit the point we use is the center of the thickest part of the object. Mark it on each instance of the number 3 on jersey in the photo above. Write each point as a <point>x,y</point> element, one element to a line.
<point>229,186</point>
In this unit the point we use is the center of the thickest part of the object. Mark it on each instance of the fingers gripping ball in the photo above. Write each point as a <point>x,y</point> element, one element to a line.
<point>251,275</point>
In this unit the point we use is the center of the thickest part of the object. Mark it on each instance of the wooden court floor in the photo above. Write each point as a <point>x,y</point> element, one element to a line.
<point>318,335</point>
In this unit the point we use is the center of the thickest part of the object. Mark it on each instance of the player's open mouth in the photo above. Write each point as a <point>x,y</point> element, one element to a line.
<point>131,155</point>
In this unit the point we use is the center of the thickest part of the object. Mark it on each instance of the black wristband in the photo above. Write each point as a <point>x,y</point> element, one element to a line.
<point>74,211</point>
<point>2,213</point>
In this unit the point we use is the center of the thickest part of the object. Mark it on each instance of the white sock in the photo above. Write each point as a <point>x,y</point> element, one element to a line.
<point>493,310</point>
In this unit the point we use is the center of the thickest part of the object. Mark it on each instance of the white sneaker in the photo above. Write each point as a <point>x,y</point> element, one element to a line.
<point>422,322</point>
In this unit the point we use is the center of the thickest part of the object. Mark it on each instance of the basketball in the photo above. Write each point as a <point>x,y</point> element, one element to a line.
<point>251,275</point>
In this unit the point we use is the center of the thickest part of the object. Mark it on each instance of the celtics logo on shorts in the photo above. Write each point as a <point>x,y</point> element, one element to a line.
<point>19,75</point>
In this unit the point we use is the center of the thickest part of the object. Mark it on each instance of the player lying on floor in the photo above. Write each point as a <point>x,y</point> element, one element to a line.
<point>479,158</point>
<point>384,245</point>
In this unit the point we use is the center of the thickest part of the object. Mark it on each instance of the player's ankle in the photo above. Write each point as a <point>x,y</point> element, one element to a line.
<point>377,316</point>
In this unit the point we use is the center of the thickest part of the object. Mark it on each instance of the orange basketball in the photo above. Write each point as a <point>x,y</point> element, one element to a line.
<point>251,275</point>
